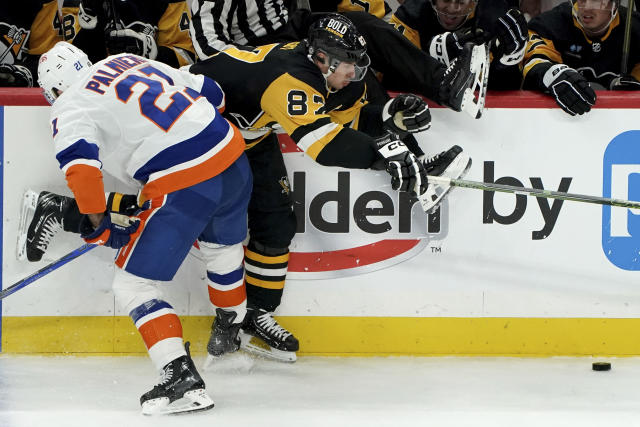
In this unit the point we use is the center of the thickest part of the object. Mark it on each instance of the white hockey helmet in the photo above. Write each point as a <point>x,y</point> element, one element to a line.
<point>60,67</point>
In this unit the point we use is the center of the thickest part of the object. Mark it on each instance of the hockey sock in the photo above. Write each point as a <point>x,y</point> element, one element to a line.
<point>266,270</point>
<point>227,291</point>
<point>161,331</point>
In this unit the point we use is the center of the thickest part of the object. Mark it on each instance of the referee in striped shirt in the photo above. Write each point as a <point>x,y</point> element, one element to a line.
<point>216,24</point>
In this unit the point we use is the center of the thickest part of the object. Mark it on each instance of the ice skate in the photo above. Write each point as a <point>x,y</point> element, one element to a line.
<point>262,335</point>
<point>224,336</point>
<point>181,389</point>
<point>465,80</point>
<point>451,164</point>
<point>41,218</point>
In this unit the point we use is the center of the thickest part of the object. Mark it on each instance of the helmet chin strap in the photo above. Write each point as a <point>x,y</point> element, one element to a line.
<point>330,70</point>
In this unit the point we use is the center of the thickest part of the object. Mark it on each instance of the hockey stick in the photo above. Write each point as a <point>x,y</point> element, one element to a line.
<point>46,270</point>
<point>626,44</point>
<point>534,192</point>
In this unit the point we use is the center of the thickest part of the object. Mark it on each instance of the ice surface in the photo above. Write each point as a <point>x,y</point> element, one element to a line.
<point>318,391</point>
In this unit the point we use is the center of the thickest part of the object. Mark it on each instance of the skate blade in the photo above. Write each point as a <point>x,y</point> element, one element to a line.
<point>256,346</point>
<point>29,203</point>
<point>192,401</point>
<point>475,95</point>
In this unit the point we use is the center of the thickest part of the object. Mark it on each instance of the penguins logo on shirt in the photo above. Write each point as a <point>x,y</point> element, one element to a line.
<point>13,43</point>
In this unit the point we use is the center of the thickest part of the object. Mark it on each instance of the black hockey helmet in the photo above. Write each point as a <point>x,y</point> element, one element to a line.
<point>337,37</point>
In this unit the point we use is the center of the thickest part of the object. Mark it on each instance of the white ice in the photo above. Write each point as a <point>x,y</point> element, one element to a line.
<point>325,391</point>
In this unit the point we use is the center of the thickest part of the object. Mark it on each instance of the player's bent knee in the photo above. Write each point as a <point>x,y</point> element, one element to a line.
<point>222,259</point>
<point>132,291</point>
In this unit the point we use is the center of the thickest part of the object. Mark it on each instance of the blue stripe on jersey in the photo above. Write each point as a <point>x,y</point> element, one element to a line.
<point>81,149</point>
<point>212,92</point>
<point>186,150</point>
<point>147,308</point>
<point>226,279</point>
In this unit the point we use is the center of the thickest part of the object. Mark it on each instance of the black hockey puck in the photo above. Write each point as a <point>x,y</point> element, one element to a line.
<point>601,366</point>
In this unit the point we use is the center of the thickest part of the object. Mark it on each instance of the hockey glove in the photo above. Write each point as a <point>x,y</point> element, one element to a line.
<point>625,82</point>
<point>571,91</point>
<point>447,46</point>
<point>13,75</point>
<point>407,173</point>
<point>138,38</point>
<point>406,113</point>
<point>512,35</point>
<point>114,231</point>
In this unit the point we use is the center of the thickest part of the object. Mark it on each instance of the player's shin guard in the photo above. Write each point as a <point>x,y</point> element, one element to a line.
<point>225,280</point>
<point>161,331</point>
<point>154,318</point>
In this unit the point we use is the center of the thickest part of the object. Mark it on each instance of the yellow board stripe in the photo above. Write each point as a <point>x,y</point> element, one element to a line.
<point>267,259</point>
<point>357,335</point>
<point>267,284</point>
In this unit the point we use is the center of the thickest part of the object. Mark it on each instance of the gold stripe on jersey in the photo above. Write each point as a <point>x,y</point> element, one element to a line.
<point>539,50</point>
<point>350,116</point>
<point>411,34</point>
<point>293,103</point>
<point>374,7</point>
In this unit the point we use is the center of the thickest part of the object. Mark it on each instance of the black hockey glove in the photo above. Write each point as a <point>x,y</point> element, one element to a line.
<point>114,231</point>
<point>447,46</point>
<point>512,35</point>
<point>572,91</point>
<point>407,173</point>
<point>625,82</point>
<point>13,75</point>
<point>137,38</point>
<point>406,113</point>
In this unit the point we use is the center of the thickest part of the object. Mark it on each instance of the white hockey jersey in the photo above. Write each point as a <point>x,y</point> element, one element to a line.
<point>144,123</point>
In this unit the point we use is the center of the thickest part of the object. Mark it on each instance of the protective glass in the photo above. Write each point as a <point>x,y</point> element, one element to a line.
<point>358,69</point>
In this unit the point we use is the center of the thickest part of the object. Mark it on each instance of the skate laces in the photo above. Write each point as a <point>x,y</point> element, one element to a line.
<point>165,376</point>
<point>270,325</point>
<point>434,160</point>
<point>50,227</point>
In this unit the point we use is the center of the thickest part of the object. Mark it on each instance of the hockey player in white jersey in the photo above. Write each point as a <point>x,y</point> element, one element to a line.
<point>159,129</point>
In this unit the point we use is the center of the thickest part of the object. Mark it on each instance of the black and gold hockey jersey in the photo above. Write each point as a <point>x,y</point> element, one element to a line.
<point>557,37</point>
<point>277,86</point>
<point>418,22</point>
<point>169,18</point>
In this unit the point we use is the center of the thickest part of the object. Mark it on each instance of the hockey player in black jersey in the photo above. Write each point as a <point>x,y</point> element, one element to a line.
<point>577,47</point>
<point>441,27</point>
<point>310,90</point>
<point>314,92</point>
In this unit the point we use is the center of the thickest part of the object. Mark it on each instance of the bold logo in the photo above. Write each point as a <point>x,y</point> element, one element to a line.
<point>621,180</point>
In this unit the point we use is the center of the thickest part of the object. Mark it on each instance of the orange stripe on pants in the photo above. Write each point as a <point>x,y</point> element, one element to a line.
<point>160,328</point>
<point>230,298</point>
